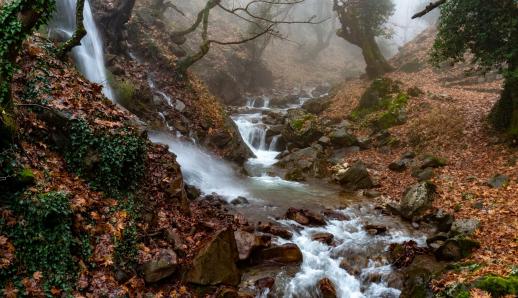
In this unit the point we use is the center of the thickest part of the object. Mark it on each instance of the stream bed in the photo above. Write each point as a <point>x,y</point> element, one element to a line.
<point>356,260</point>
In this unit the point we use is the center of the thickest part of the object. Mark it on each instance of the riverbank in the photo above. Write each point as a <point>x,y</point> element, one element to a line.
<point>448,119</point>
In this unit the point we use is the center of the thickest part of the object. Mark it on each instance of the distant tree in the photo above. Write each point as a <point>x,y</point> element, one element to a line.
<point>246,12</point>
<point>361,22</point>
<point>322,32</point>
<point>488,31</point>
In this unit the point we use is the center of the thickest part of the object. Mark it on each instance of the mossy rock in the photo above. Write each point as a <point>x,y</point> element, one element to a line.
<point>379,90</point>
<point>498,286</point>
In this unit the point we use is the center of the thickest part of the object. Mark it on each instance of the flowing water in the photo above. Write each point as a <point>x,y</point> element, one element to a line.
<point>89,56</point>
<point>270,196</point>
<point>366,272</point>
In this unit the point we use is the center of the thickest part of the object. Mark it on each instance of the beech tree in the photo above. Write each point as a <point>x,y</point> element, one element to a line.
<point>488,31</point>
<point>361,22</point>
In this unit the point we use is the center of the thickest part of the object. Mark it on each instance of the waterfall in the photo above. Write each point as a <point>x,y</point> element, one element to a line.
<point>89,56</point>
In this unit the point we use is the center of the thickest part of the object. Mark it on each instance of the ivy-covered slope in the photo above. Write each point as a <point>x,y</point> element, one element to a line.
<point>86,200</point>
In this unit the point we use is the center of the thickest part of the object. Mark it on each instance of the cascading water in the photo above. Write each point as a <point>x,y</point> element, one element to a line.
<point>89,56</point>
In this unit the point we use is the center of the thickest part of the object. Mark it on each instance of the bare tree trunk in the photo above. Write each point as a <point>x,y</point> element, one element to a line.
<point>112,24</point>
<point>79,33</point>
<point>505,112</point>
<point>377,65</point>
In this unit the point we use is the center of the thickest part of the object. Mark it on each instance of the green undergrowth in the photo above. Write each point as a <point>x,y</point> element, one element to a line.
<point>113,161</point>
<point>43,241</point>
<point>126,251</point>
<point>497,286</point>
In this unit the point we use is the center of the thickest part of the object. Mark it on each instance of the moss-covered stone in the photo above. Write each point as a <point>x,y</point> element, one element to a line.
<point>378,91</point>
<point>498,286</point>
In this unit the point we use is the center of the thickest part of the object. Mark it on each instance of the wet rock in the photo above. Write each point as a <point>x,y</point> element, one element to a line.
<point>335,215</point>
<point>316,105</point>
<point>284,254</point>
<point>456,248</point>
<point>498,181</point>
<point>163,265</point>
<point>275,230</point>
<point>248,242</point>
<point>417,200</point>
<point>215,263</point>
<point>354,177</point>
<point>326,238</point>
<point>464,227</point>
<point>327,288</point>
<point>239,201</point>
<point>375,229</point>
<point>340,137</point>
<point>265,283</point>
<point>284,102</point>
<point>305,217</point>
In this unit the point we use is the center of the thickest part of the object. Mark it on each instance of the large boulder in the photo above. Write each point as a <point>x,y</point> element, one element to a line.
<point>161,266</point>
<point>465,227</point>
<point>379,90</point>
<point>317,105</point>
<point>215,263</point>
<point>284,254</point>
<point>354,177</point>
<point>418,198</point>
<point>306,162</point>
<point>301,128</point>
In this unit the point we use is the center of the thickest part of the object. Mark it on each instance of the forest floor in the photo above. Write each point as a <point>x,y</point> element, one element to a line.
<point>450,120</point>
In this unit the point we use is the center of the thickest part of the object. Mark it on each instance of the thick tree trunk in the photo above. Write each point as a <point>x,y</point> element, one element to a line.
<point>112,24</point>
<point>377,65</point>
<point>504,115</point>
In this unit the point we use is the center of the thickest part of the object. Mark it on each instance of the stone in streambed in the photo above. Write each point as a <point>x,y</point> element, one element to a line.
<point>284,254</point>
<point>327,288</point>
<point>375,229</point>
<point>274,230</point>
<point>239,201</point>
<point>265,283</point>
<point>326,238</point>
<point>305,217</point>
<point>456,248</point>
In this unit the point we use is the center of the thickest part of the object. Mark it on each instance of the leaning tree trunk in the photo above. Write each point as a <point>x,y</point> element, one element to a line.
<point>377,65</point>
<point>505,112</point>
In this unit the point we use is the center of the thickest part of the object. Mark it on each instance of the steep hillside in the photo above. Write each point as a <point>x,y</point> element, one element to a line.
<point>444,114</point>
<point>89,206</point>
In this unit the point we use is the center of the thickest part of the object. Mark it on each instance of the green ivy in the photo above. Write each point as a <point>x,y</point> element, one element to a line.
<point>126,251</point>
<point>112,161</point>
<point>43,241</point>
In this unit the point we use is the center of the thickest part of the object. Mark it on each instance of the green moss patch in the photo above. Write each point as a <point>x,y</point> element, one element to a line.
<point>498,286</point>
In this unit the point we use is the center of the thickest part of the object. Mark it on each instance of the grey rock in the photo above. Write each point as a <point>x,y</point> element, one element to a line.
<point>464,226</point>
<point>355,177</point>
<point>417,199</point>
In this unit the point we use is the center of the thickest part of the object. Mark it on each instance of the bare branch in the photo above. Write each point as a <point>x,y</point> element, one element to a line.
<point>429,8</point>
<point>79,33</point>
